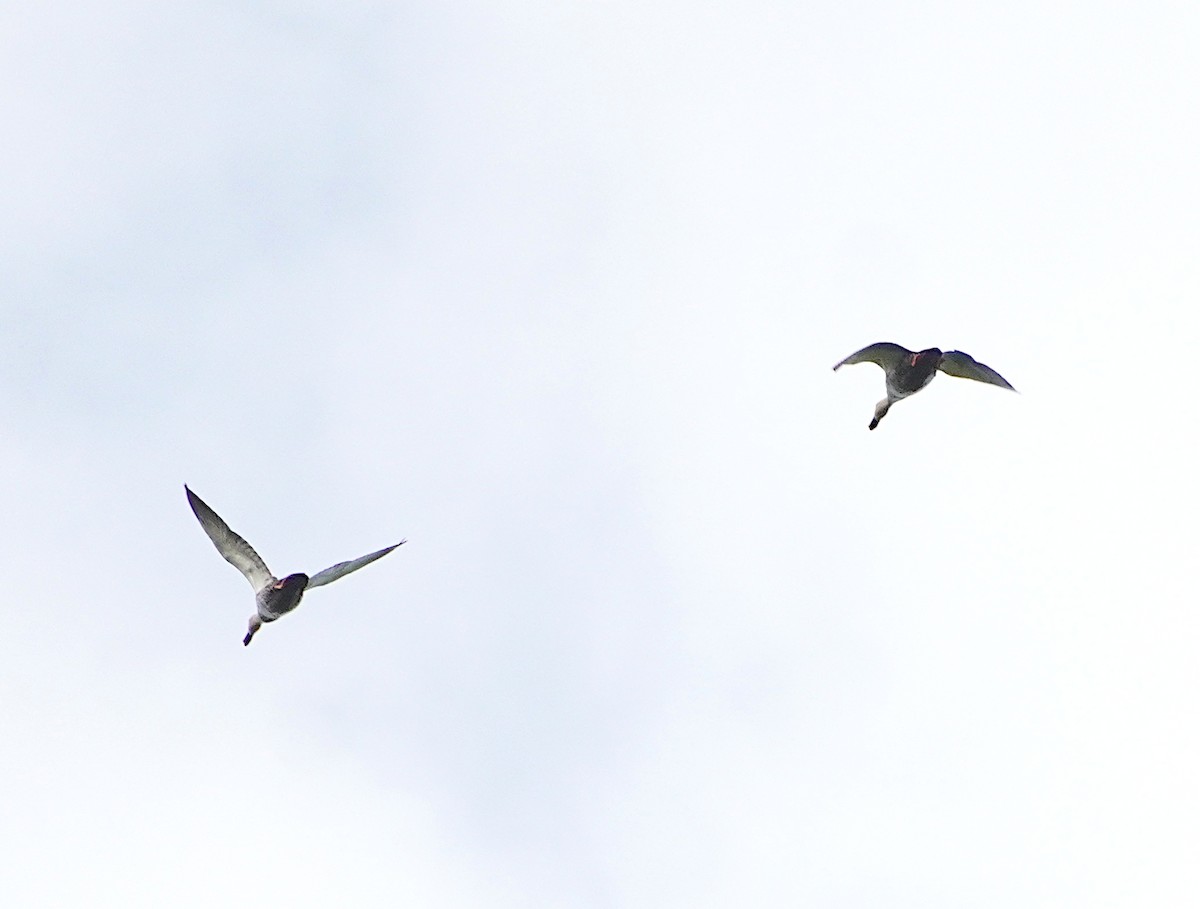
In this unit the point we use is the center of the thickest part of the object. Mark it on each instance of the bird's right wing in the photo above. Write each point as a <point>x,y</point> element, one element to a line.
<point>237,552</point>
<point>965,366</point>
<point>884,353</point>
<point>341,569</point>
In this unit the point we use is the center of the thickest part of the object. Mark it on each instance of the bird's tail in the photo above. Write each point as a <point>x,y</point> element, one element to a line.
<point>880,409</point>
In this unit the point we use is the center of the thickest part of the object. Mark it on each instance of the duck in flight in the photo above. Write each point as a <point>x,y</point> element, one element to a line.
<point>907,372</point>
<point>273,596</point>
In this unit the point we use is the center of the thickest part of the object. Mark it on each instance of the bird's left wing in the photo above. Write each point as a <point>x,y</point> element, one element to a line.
<point>885,353</point>
<point>957,363</point>
<point>331,574</point>
<point>237,552</point>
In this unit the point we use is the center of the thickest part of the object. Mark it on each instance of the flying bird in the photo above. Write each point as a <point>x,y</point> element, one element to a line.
<point>273,596</point>
<point>907,372</point>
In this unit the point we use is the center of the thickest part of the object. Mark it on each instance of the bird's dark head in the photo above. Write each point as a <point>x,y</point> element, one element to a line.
<point>925,357</point>
<point>296,581</point>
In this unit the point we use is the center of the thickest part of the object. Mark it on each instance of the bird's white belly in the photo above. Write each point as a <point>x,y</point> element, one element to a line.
<point>897,394</point>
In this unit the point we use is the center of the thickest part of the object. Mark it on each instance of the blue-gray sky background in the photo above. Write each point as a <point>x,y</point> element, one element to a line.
<point>554,292</point>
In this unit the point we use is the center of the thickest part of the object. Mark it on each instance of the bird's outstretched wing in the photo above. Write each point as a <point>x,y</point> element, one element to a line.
<point>237,552</point>
<point>331,574</point>
<point>885,353</point>
<point>957,363</point>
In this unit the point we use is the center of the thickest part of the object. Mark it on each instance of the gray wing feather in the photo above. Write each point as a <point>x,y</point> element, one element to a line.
<point>331,574</point>
<point>884,353</point>
<point>957,363</point>
<point>237,552</point>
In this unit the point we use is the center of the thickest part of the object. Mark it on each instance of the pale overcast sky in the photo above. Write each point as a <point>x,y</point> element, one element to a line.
<point>554,291</point>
